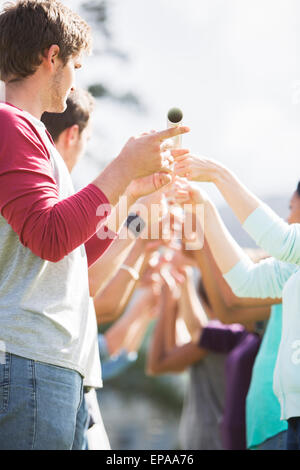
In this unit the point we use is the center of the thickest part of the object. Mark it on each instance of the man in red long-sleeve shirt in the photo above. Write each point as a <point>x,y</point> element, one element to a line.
<point>44,225</point>
<point>70,132</point>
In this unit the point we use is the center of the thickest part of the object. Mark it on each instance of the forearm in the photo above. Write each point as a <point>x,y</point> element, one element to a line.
<point>111,300</point>
<point>136,334</point>
<point>227,253</point>
<point>239,198</point>
<point>113,180</point>
<point>170,312</point>
<point>174,361</point>
<point>109,263</point>
<point>156,350</point>
<point>125,326</point>
<point>163,339</point>
<point>265,279</point>
<point>191,309</point>
<point>106,267</point>
<point>269,231</point>
<point>224,303</point>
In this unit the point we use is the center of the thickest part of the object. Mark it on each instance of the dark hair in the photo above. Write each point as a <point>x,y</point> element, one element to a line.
<point>29,27</point>
<point>80,105</point>
<point>298,189</point>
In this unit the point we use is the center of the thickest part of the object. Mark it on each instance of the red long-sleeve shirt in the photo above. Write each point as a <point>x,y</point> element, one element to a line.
<point>29,200</point>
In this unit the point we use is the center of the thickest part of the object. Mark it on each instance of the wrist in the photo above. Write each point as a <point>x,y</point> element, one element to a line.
<point>124,168</point>
<point>133,272</point>
<point>131,197</point>
<point>221,175</point>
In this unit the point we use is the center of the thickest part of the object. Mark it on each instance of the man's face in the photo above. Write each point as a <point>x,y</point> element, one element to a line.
<point>294,215</point>
<point>63,83</point>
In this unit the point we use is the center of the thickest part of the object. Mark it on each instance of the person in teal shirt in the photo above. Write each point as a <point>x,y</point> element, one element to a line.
<point>265,430</point>
<point>271,278</point>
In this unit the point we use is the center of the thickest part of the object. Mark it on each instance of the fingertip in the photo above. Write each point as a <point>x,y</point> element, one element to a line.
<point>184,129</point>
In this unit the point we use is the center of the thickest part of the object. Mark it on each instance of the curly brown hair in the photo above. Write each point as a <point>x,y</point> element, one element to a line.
<point>29,27</point>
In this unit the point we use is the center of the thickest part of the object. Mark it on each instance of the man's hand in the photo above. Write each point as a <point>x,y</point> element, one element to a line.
<point>148,184</point>
<point>142,156</point>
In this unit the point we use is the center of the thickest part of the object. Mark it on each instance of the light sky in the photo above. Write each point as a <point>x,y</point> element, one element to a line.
<point>233,66</point>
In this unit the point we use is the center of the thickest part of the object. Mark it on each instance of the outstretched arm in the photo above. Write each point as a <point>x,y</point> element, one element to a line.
<point>269,231</point>
<point>247,279</point>
<point>227,307</point>
<point>191,308</point>
<point>111,300</point>
<point>128,332</point>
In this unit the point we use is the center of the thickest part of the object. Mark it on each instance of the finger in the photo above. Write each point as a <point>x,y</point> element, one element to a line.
<point>171,132</point>
<point>182,157</point>
<point>161,180</point>
<point>170,159</point>
<point>167,144</point>
<point>166,154</point>
<point>166,166</point>
<point>181,172</point>
<point>180,154</point>
<point>181,167</point>
<point>173,193</point>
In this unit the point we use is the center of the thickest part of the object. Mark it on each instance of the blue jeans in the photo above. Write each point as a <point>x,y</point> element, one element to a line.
<point>82,424</point>
<point>293,436</point>
<point>277,442</point>
<point>38,405</point>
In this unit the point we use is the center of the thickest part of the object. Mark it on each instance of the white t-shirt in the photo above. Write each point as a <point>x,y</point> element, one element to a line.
<point>45,306</point>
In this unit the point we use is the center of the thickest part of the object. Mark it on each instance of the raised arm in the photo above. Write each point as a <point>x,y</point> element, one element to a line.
<point>111,300</point>
<point>190,307</point>
<point>128,332</point>
<point>101,272</point>
<point>269,231</point>
<point>162,357</point>
<point>52,227</point>
<point>227,307</point>
<point>247,279</point>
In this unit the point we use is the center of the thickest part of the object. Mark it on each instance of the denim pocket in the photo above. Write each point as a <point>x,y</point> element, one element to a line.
<point>4,381</point>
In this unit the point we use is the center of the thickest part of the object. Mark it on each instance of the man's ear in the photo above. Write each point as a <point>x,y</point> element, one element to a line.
<point>51,56</point>
<point>72,135</point>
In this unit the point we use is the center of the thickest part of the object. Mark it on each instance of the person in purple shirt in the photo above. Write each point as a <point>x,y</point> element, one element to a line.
<point>219,357</point>
<point>241,347</point>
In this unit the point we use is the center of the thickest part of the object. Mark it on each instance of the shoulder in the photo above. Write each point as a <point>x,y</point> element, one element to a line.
<point>14,120</point>
<point>18,133</point>
<point>9,114</point>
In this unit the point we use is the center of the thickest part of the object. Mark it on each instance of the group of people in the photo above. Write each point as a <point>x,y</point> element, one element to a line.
<point>72,260</point>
